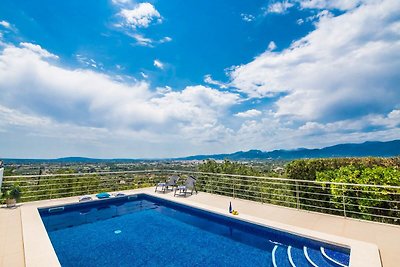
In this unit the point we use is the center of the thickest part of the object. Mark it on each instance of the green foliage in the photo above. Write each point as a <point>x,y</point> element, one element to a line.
<point>227,167</point>
<point>12,192</point>
<point>306,169</point>
<point>9,171</point>
<point>365,201</point>
<point>355,201</point>
<point>256,189</point>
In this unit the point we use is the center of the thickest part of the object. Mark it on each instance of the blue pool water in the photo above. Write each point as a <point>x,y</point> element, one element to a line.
<point>142,230</point>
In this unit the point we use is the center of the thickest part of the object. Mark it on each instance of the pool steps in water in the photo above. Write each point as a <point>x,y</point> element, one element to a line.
<point>283,256</point>
<point>323,252</point>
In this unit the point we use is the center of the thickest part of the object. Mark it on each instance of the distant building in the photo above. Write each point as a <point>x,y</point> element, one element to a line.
<point>279,170</point>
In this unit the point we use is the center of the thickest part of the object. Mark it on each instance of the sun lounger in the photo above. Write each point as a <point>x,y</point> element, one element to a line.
<point>85,198</point>
<point>190,184</point>
<point>163,187</point>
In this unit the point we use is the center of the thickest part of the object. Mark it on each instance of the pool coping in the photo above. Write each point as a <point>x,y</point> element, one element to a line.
<point>39,251</point>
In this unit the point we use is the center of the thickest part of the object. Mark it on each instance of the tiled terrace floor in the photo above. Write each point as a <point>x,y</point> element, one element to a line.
<point>387,237</point>
<point>11,245</point>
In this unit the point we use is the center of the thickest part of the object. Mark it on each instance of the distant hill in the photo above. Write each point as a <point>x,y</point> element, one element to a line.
<point>373,149</point>
<point>67,160</point>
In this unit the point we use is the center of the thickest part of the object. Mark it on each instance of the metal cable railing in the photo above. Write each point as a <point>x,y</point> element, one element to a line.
<point>362,201</point>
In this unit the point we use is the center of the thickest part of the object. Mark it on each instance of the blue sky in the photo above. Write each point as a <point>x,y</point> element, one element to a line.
<point>124,78</point>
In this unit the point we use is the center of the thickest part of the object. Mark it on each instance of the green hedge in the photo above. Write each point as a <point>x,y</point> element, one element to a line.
<point>364,201</point>
<point>361,202</point>
<point>306,169</point>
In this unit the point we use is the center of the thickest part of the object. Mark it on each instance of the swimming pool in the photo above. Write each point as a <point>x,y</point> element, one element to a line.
<point>142,230</point>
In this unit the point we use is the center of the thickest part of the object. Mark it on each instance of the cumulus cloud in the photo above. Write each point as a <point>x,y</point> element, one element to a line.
<point>249,113</point>
<point>339,83</point>
<point>274,133</point>
<point>134,18</point>
<point>35,89</point>
<point>141,16</point>
<point>37,49</point>
<point>345,68</point>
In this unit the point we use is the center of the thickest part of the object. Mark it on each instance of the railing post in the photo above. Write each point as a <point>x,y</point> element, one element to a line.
<point>1,174</point>
<point>233,189</point>
<point>297,195</point>
<point>344,201</point>
<point>51,190</point>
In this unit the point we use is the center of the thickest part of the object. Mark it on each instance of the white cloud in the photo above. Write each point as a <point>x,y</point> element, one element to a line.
<point>141,16</point>
<point>5,24</point>
<point>273,133</point>
<point>347,67</point>
<point>157,63</point>
<point>143,41</point>
<point>208,79</point>
<point>39,94</point>
<point>329,4</point>
<point>249,113</point>
<point>164,90</point>
<point>279,7</point>
<point>37,49</point>
<point>320,15</point>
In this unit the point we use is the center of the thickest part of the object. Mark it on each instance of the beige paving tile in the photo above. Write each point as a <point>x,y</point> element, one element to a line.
<point>14,260</point>
<point>11,243</point>
<point>329,225</point>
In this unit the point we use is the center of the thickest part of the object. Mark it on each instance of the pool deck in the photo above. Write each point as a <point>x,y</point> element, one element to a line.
<point>15,230</point>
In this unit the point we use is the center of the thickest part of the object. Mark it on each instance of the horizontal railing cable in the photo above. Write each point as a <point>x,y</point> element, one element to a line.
<point>362,201</point>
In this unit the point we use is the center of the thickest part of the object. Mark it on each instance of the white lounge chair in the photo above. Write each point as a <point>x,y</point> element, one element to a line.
<point>85,198</point>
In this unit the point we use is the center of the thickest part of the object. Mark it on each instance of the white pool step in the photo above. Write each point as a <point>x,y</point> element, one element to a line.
<point>274,256</point>
<point>280,256</point>
<point>289,253</point>
<point>339,264</point>
<point>288,256</point>
<point>305,249</point>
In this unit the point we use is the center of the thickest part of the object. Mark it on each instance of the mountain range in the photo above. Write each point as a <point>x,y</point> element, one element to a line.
<point>366,149</point>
